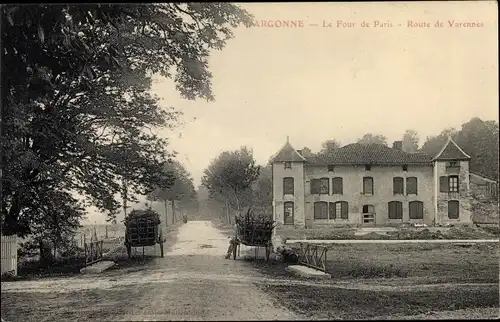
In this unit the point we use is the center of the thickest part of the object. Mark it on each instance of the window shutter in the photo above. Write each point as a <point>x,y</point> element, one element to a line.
<point>345,210</point>
<point>443,184</point>
<point>331,210</point>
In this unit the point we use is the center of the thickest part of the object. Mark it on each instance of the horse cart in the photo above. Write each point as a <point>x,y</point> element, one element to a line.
<point>142,228</point>
<point>253,231</point>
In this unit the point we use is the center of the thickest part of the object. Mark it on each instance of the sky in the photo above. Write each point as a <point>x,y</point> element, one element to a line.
<point>314,83</point>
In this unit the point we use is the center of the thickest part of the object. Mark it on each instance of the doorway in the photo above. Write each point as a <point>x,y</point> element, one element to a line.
<point>368,215</point>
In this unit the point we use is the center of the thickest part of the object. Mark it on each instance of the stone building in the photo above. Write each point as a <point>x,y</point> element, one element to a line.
<point>371,184</point>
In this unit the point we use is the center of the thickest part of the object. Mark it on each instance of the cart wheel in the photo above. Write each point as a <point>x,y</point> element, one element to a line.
<point>161,249</point>
<point>235,246</point>
<point>268,252</point>
<point>129,251</point>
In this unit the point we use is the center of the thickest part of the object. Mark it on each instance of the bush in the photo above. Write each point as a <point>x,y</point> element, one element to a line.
<point>288,254</point>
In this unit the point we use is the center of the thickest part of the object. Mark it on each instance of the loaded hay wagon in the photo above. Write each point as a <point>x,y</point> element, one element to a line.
<point>252,230</point>
<point>143,229</point>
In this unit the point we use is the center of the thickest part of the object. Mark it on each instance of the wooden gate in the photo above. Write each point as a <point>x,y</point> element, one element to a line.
<point>93,252</point>
<point>313,256</point>
<point>9,254</point>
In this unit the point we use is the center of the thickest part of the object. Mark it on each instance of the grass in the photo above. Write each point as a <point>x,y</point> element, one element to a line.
<point>412,233</point>
<point>430,263</point>
<point>321,303</point>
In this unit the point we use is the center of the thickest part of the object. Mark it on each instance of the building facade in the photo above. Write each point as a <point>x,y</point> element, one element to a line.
<point>371,185</point>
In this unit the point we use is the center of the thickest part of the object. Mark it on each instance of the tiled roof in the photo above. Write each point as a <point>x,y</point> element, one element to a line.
<point>357,153</point>
<point>288,153</point>
<point>451,151</point>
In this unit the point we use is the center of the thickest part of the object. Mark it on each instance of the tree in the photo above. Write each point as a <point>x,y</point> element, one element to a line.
<point>434,144</point>
<point>230,176</point>
<point>371,138</point>
<point>410,141</point>
<point>329,146</point>
<point>176,184</point>
<point>307,152</point>
<point>77,112</point>
<point>263,191</point>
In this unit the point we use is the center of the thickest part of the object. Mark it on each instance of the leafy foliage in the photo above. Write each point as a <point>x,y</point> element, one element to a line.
<point>329,146</point>
<point>478,138</point>
<point>230,176</point>
<point>373,138</point>
<point>77,112</point>
<point>410,141</point>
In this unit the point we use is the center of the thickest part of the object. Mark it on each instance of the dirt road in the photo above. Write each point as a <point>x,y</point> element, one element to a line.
<point>192,282</point>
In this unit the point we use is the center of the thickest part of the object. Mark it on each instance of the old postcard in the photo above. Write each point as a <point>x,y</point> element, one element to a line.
<point>249,161</point>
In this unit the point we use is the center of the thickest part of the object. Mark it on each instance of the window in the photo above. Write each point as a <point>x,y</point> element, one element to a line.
<point>288,186</point>
<point>320,186</point>
<point>321,210</point>
<point>405,167</point>
<point>324,188</point>
<point>337,186</point>
<point>331,210</point>
<point>342,209</point>
<point>443,184</point>
<point>368,185</point>
<point>411,186</point>
<point>453,183</point>
<point>288,213</point>
<point>494,189</point>
<point>368,167</point>
<point>452,164</point>
<point>288,165</point>
<point>416,210</point>
<point>453,209</point>
<point>395,210</point>
<point>398,186</point>
<point>315,184</point>
<point>330,168</point>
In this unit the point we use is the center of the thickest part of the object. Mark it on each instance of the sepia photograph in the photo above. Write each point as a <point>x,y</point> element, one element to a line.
<point>218,161</point>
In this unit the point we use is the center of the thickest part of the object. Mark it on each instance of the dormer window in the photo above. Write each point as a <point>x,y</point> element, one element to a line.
<point>288,165</point>
<point>330,168</point>
<point>368,167</point>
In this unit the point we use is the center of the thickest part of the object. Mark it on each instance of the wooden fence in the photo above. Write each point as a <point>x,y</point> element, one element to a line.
<point>9,254</point>
<point>93,252</point>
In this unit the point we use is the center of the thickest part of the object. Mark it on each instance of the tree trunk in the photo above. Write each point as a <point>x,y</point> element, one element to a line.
<point>166,212</point>
<point>173,212</point>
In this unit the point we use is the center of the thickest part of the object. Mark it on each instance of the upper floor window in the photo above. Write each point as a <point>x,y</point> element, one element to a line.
<point>368,185</point>
<point>453,209</point>
<point>331,168</point>
<point>288,165</point>
<point>416,210</point>
<point>411,186</point>
<point>398,186</point>
<point>405,167</point>
<point>368,167</point>
<point>395,210</point>
<point>493,190</point>
<point>320,186</point>
<point>288,186</point>
<point>337,186</point>
<point>452,164</point>
<point>448,184</point>
<point>453,183</point>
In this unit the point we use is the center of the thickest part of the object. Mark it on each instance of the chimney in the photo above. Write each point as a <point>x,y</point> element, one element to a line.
<point>398,145</point>
<point>300,152</point>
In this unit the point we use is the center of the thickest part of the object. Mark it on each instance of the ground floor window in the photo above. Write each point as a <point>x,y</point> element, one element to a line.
<point>331,210</point>
<point>453,209</point>
<point>416,210</point>
<point>321,210</point>
<point>288,213</point>
<point>395,210</point>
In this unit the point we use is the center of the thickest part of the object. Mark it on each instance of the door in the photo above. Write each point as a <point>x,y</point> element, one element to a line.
<point>368,215</point>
